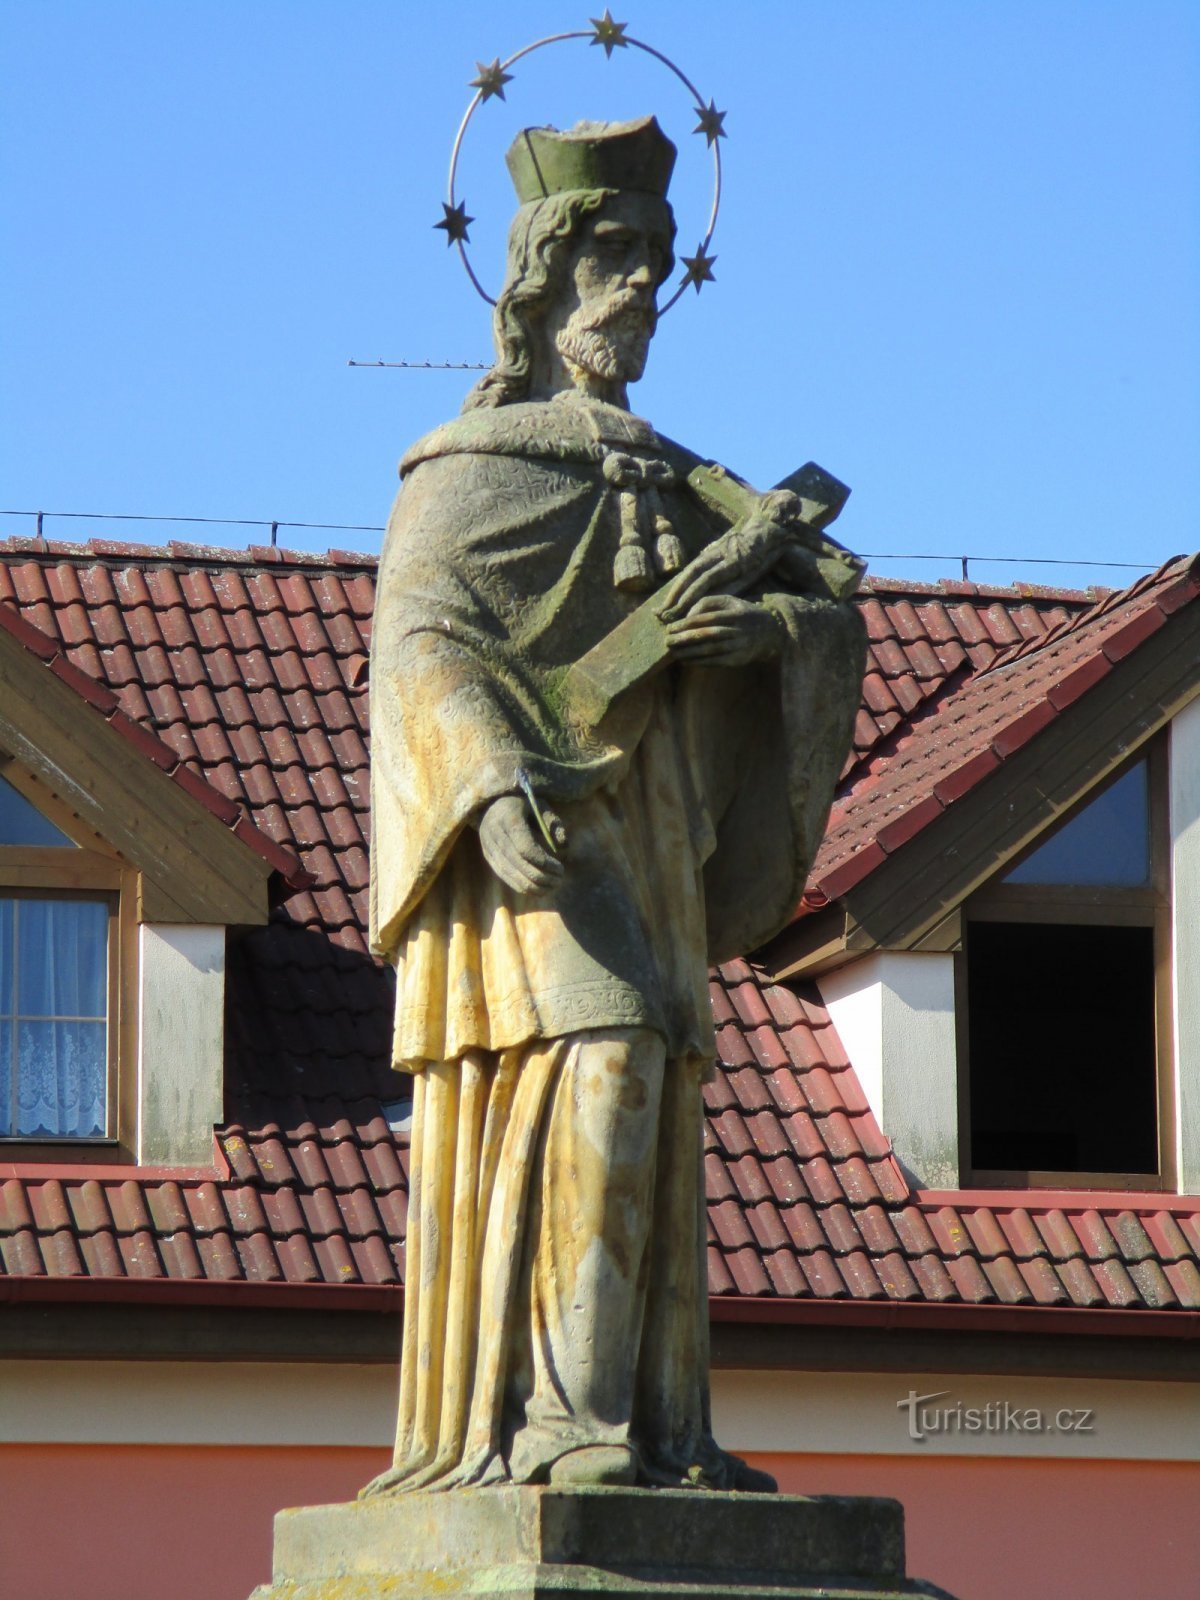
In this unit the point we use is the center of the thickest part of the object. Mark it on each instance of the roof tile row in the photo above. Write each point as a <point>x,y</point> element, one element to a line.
<point>805,1200</point>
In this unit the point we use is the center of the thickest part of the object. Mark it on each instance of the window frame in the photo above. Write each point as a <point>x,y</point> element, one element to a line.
<point>1103,906</point>
<point>90,871</point>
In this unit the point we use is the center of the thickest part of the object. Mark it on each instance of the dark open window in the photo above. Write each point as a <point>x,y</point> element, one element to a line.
<point>1062,1048</point>
<point>1063,1042</point>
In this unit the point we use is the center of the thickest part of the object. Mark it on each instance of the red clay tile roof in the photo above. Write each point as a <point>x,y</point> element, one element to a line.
<point>805,1200</point>
<point>964,733</point>
<point>249,668</point>
<point>920,637</point>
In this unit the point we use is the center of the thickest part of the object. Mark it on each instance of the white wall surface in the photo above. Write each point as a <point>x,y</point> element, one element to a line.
<point>894,1013</point>
<point>1185,917</point>
<point>294,1403</point>
<point>181,1042</point>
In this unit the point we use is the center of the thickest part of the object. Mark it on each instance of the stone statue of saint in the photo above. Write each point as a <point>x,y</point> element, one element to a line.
<point>551,877</point>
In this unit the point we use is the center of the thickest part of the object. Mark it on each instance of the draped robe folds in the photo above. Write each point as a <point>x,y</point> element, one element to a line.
<point>559,1040</point>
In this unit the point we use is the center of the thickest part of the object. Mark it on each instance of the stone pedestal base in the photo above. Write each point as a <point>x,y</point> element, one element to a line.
<point>636,1544</point>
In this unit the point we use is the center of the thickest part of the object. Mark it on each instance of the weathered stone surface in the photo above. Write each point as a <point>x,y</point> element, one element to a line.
<point>630,1542</point>
<point>612,688</point>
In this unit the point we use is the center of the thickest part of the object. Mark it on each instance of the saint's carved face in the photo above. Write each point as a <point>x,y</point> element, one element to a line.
<point>608,316</point>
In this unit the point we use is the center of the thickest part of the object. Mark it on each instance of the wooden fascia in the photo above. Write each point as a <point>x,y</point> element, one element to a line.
<point>909,902</point>
<point>191,867</point>
<point>198,1319</point>
<point>810,945</point>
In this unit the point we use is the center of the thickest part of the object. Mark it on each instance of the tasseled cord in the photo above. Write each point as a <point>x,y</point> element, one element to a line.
<point>645,528</point>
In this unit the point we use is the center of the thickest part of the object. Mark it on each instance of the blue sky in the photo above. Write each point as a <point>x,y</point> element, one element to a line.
<point>959,258</point>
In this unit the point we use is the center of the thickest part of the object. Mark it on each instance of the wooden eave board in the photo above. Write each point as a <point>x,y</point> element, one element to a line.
<point>194,869</point>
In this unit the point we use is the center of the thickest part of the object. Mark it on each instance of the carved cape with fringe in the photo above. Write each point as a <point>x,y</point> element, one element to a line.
<point>692,815</point>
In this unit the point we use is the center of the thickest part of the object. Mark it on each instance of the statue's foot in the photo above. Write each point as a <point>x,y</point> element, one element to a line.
<point>721,1469</point>
<point>751,1480</point>
<point>594,1465</point>
<point>384,1483</point>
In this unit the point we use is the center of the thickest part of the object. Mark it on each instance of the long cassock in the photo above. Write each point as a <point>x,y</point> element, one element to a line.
<point>556,1289</point>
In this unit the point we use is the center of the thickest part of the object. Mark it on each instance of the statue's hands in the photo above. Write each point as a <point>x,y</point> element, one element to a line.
<point>515,850</point>
<point>742,555</point>
<point>722,630</point>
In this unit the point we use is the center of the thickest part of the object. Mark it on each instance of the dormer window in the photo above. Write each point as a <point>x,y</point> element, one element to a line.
<point>59,991</point>
<point>121,872</point>
<point>1064,1037</point>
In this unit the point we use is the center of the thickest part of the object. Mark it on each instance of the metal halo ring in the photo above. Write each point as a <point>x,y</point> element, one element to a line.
<point>696,274</point>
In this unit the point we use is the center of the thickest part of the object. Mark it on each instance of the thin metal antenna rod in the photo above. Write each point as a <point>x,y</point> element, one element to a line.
<point>428,366</point>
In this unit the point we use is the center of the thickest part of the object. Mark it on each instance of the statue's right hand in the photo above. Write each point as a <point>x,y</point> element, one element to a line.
<point>514,849</point>
<point>735,561</point>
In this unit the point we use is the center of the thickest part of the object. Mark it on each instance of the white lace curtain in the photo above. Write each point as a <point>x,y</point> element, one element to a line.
<point>53,1018</point>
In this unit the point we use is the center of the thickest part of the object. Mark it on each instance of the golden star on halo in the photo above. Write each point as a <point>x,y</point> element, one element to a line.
<point>609,33</point>
<point>491,80</point>
<point>456,221</point>
<point>711,124</point>
<point>699,268</point>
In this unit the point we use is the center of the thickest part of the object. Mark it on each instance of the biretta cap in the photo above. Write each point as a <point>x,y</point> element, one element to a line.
<point>591,155</point>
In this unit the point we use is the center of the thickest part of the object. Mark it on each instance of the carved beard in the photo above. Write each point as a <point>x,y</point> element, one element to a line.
<point>611,343</point>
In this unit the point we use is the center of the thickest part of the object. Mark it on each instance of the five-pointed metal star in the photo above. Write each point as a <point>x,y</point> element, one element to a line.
<point>456,221</point>
<point>711,124</point>
<point>491,80</point>
<point>609,33</point>
<point>699,268</point>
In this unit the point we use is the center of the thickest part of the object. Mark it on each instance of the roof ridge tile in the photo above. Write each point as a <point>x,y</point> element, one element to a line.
<point>874,583</point>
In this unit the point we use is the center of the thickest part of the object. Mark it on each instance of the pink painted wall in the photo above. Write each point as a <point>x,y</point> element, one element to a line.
<point>139,1522</point>
<point>1012,1529</point>
<point>156,1522</point>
